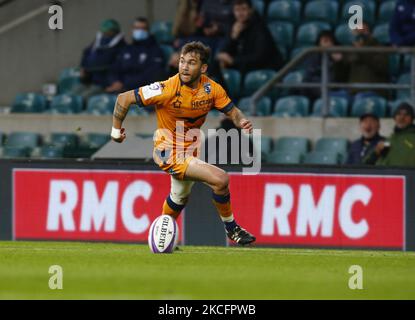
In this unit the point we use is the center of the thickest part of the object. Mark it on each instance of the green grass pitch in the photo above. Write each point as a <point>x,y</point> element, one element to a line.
<point>114,271</point>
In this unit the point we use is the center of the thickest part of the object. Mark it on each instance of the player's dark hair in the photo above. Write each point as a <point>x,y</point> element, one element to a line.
<point>242,2</point>
<point>199,48</point>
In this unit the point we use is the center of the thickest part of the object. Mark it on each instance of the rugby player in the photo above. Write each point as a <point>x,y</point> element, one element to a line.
<point>182,103</point>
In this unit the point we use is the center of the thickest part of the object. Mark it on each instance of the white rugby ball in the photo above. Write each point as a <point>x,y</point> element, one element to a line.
<point>163,235</point>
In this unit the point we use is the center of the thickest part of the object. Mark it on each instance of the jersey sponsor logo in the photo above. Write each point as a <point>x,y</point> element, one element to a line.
<point>152,91</point>
<point>202,104</point>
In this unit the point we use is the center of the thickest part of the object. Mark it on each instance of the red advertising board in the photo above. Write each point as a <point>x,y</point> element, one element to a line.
<point>321,210</point>
<point>87,205</point>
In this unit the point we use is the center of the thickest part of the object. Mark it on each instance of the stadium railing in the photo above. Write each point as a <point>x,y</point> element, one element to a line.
<point>325,84</point>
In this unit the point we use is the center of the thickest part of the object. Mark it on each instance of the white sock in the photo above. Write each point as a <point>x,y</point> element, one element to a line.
<point>228,219</point>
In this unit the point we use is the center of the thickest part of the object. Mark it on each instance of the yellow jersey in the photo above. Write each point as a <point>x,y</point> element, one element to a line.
<point>180,108</point>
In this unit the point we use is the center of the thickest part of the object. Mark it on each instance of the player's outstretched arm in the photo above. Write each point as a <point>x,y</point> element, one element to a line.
<point>239,120</point>
<point>124,100</point>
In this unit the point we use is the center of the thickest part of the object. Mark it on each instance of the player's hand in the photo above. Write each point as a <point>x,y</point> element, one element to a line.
<point>247,126</point>
<point>121,138</point>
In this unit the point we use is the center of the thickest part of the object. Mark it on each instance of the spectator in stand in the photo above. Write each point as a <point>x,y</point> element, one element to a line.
<point>399,149</point>
<point>201,20</point>
<point>216,18</point>
<point>367,67</point>
<point>187,19</point>
<point>139,63</point>
<point>249,45</point>
<point>98,59</point>
<point>402,26</point>
<point>369,127</point>
<point>338,67</point>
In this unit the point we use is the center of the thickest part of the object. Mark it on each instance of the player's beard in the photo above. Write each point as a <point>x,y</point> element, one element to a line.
<point>192,80</point>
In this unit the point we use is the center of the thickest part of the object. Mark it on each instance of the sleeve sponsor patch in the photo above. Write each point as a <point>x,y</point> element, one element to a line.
<point>151,91</point>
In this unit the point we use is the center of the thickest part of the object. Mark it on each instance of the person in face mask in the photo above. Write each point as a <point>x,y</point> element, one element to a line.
<point>99,57</point>
<point>139,63</point>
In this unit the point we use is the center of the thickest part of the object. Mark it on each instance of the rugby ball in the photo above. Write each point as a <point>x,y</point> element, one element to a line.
<point>163,235</point>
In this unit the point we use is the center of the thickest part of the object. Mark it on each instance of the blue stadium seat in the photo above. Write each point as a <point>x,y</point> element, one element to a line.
<point>294,77</point>
<point>102,104</point>
<point>167,52</point>
<point>368,6</point>
<point>333,145</point>
<point>64,140</point>
<point>284,52</point>
<point>266,144</point>
<point>23,139</point>
<point>259,6</point>
<point>322,10</point>
<point>16,152</point>
<point>215,113</point>
<point>386,11</point>
<point>29,103</point>
<point>394,65</point>
<point>375,105</point>
<point>338,107</point>
<point>308,33</point>
<point>283,33</point>
<point>381,33</point>
<point>285,10</point>
<point>162,31</point>
<point>407,62</point>
<point>285,157</point>
<point>69,79</point>
<point>322,158</point>
<point>292,144</point>
<point>233,80</point>
<point>292,106</point>
<point>256,79</point>
<point>404,93</point>
<point>137,111</point>
<point>266,147</point>
<point>66,104</point>
<point>264,106</point>
<point>97,140</point>
<point>344,34</point>
<point>51,152</point>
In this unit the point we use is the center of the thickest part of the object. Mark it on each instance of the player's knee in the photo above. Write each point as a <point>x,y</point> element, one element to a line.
<point>222,181</point>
